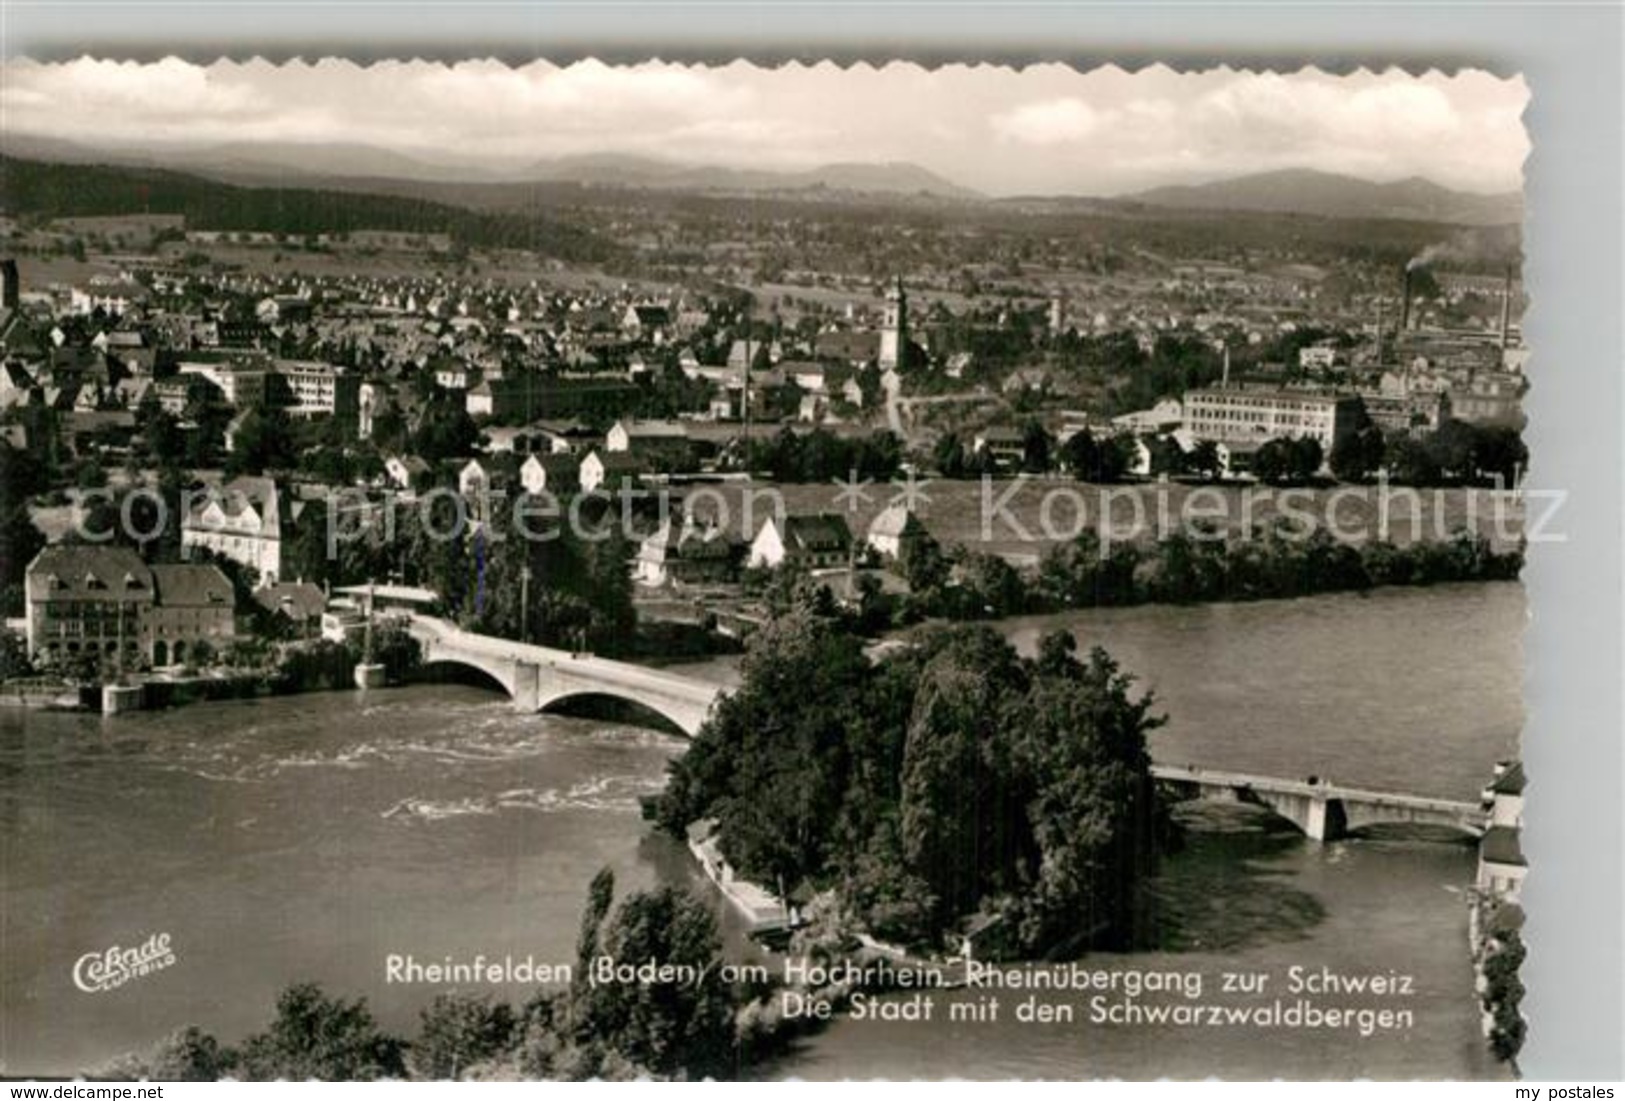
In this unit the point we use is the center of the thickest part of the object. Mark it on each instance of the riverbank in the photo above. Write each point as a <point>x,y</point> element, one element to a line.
<point>301,667</point>
<point>1183,569</point>
<point>139,693</point>
<point>1243,898</point>
<point>41,694</point>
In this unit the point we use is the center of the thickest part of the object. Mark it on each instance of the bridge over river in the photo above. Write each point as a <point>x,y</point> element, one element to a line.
<point>537,677</point>
<point>1322,810</point>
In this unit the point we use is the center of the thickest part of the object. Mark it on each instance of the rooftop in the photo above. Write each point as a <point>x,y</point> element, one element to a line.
<point>823,531</point>
<point>192,585</point>
<point>67,572</point>
<point>395,594</point>
<point>1501,846</point>
<point>1510,781</point>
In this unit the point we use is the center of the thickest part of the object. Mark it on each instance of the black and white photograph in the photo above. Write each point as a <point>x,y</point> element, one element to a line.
<point>600,570</point>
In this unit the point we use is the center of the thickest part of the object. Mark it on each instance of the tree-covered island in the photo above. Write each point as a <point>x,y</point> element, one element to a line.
<point>954,786</point>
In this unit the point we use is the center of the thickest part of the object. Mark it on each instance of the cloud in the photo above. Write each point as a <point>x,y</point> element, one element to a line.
<point>1048,122</point>
<point>86,88</point>
<point>1054,129</point>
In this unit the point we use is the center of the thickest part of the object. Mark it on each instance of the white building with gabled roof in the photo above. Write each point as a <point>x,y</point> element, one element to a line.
<point>245,520</point>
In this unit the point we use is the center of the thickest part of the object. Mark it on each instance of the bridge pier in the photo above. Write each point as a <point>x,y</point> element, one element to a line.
<point>527,686</point>
<point>1319,816</point>
<point>1324,819</point>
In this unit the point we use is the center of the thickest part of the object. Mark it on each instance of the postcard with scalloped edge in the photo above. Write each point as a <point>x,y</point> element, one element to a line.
<point>658,570</point>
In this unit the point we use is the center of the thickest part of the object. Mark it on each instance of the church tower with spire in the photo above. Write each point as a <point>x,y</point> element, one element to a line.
<point>894,328</point>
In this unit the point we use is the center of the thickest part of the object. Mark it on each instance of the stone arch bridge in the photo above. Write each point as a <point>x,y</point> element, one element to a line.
<point>537,677</point>
<point>1322,811</point>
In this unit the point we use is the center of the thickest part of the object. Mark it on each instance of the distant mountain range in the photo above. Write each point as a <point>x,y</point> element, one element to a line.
<point>352,166</point>
<point>891,178</point>
<point>294,205</point>
<point>282,162</point>
<point>1323,194</point>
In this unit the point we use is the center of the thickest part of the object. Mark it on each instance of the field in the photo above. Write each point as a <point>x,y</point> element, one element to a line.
<point>38,272</point>
<point>1020,519</point>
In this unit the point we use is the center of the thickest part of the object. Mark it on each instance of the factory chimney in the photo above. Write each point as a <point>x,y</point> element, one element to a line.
<point>1405,300</point>
<point>1506,309</point>
<point>1226,380</point>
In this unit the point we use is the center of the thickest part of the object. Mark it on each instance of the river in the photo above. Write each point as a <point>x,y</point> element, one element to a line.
<point>311,837</point>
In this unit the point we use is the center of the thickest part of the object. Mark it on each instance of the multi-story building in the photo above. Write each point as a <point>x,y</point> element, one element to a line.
<point>1402,414</point>
<point>319,389</point>
<point>111,296</point>
<point>1318,357</point>
<point>1239,414</point>
<point>693,554</point>
<point>173,394</point>
<point>1167,415</point>
<point>1501,865</point>
<point>246,520</point>
<point>193,617</point>
<point>241,377</point>
<point>523,398</point>
<point>819,541</point>
<point>87,600</point>
<point>105,604</point>
<point>1489,398</point>
<point>1007,445</point>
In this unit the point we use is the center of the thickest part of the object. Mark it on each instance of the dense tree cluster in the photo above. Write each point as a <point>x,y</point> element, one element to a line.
<point>820,456</point>
<point>1359,454</point>
<point>663,1029</point>
<point>1287,461</point>
<point>20,540</point>
<point>1176,364</point>
<point>617,1031</point>
<point>1503,996</point>
<point>578,594</point>
<point>952,781</point>
<point>77,190</point>
<point>1458,452</point>
<point>1082,455</point>
<point>1091,460</point>
<point>1275,563</point>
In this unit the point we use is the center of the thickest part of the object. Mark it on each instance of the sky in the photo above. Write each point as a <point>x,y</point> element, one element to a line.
<point>1045,129</point>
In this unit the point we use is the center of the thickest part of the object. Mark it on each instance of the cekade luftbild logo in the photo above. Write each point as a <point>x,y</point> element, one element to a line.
<point>95,972</point>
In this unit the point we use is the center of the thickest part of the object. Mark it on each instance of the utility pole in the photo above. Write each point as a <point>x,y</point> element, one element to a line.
<point>366,625</point>
<point>524,603</point>
<point>745,397</point>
